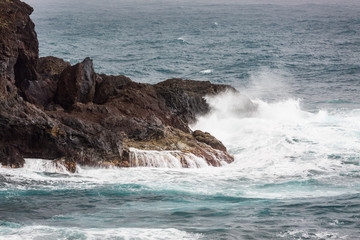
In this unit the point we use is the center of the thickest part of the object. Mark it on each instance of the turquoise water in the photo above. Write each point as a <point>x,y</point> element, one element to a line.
<point>296,173</point>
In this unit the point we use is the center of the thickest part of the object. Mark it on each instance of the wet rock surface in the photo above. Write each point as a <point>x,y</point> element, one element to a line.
<point>52,110</point>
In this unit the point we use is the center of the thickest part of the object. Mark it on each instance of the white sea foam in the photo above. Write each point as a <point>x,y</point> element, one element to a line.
<point>183,39</point>
<point>302,234</point>
<point>42,165</point>
<point>277,146</point>
<point>165,159</point>
<point>266,83</point>
<point>47,232</point>
<point>232,180</point>
<point>206,71</point>
<point>280,139</point>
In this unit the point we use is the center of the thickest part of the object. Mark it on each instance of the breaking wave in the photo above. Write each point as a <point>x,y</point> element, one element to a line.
<point>280,139</point>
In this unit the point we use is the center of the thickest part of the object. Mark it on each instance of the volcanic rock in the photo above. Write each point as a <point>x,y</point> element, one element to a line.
<point>18,46</point>
<point>10,156</point>
<point>39,92</point>
<point>102,117</point>
<point>109,87</point>
<point>77,84</point>
<point>51,67</point>
<point>185,98</point>
<point>210,140</point>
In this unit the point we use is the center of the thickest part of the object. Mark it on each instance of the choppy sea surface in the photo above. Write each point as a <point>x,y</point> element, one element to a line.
<point>296,173</point>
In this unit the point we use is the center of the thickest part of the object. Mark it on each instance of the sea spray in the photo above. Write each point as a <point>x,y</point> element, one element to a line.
<point>278,139</point>
<point>269,84</point>
<point>42,165</point>
<point>297,172</point>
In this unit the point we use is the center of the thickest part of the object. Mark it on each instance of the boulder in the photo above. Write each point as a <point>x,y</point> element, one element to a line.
<point>109,87</point>
<point>77,84</point>
<point>39,92</point>
<point>51,67</point>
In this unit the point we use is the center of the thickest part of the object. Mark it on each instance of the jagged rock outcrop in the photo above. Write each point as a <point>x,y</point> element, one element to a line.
<point>51,67</point>
<point>77,84</point>
<point>41,92</point>
<point>50,109</point>
<point>18,47</point>
<point>18,56</point>
<point>185,98</point>
<point>210,140</point>
<point>109,87</point>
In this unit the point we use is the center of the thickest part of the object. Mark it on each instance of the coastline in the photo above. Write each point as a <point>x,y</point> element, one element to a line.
<point>52,110</point>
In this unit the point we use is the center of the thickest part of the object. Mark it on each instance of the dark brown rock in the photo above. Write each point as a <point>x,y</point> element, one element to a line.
<point>10,156</point>
<point>39,92</point>
<point>210,140</point>
<point>195,88</point>
<point>109,87</point>
<point>18,46</point>
<point>27,129</point>
<point>77,84</point>
<point>104,116</point>
<point>185,98</point>
<point>51,67</point>
<point>42,91</point>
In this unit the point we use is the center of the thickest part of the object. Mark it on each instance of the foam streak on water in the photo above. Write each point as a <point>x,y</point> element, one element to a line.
<point>45,232</point>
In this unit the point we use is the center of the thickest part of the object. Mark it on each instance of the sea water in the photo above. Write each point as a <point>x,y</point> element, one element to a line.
<point>296,173</point>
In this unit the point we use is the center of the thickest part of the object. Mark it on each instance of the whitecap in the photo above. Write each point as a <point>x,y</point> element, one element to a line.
<point>182,39</point>
<point>206,71</point>
<point>280,140</point>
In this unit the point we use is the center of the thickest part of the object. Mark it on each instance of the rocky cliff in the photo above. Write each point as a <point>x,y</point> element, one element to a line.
<point>50,109</point>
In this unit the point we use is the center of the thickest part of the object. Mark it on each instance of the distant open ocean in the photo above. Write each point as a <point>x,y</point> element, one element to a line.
<point>296,173</point>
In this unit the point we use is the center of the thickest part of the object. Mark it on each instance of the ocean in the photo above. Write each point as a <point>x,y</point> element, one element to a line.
<point>296,173</point>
